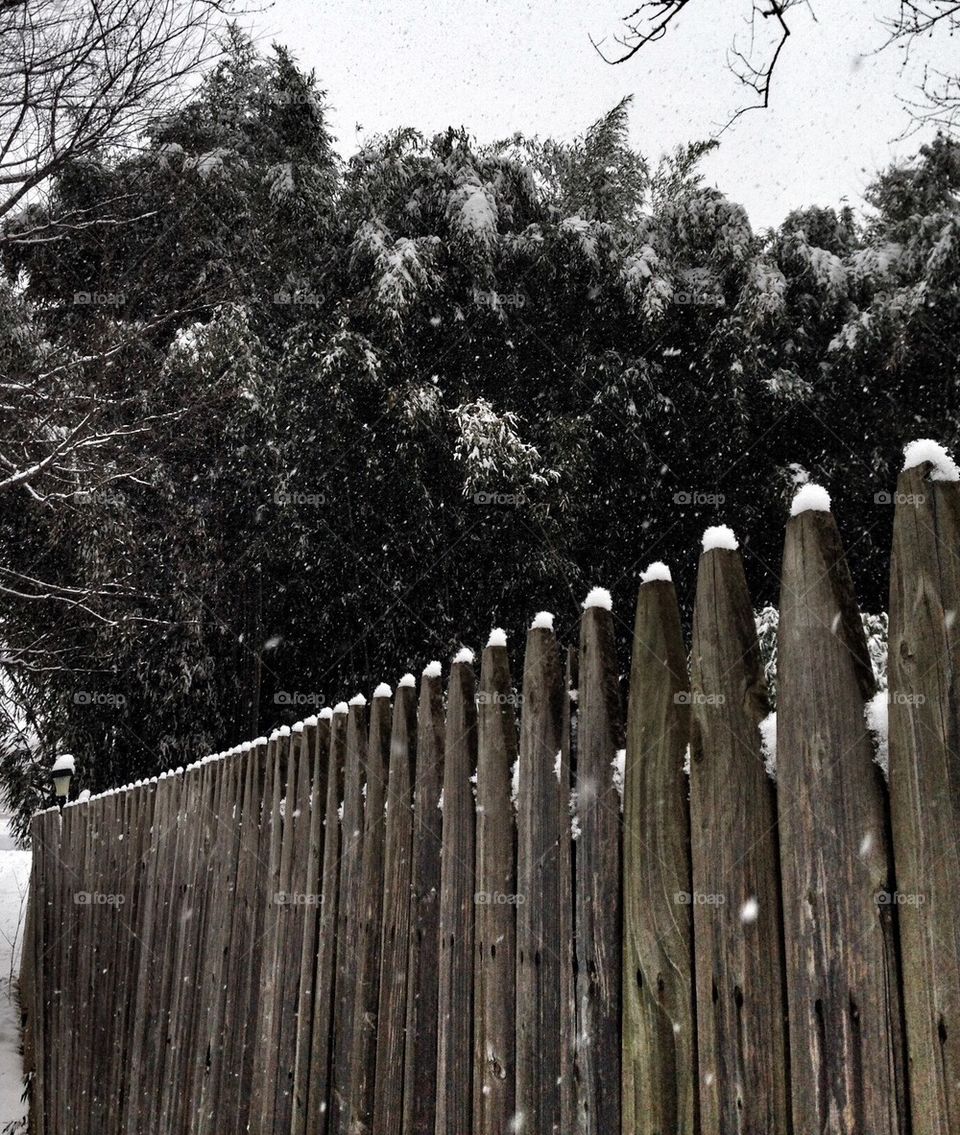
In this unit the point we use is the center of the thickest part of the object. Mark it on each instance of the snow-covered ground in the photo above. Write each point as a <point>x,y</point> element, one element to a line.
<point>14,876</point>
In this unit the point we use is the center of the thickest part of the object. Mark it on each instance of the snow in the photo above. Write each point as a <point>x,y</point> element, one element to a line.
<point>464,654</point>
<point>877,716</point>
<point>325,714</point>
<point>810,498</point>
<point>309,722</point>
<point>283,731</point>
<point>515,783</point>
<point>358,699</point>
<point>557,764</point>
<point>599,597</point>
<point>432,670</point>
<point>498,637</point>
<point>924,449</point>
<point>619,763</point>
<point>383,691</point>
<point>656,571</point>
<point>297,728</point>
<point>542,620</point>
<point>687,761</point>
<point>750,911</point>
<point>341,707</point>
<point>14,878</point>
<point>406,680</point>
<point>719,536</point>
<point>768,744</point>
<point>65,763</point>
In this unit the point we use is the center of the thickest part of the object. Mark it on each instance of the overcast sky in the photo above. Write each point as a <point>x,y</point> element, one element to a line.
<point>499,66</point>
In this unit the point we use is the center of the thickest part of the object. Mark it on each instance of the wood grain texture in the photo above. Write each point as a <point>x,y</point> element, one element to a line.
<point>924,739</point>
<point>540,826</point>
<point>659,1042</point>
<point>495,900</point>
<point>455,985</point>
<point>367,949</point>
<point>842,979</point>
<point>395,939</point>
<point>598,896</point>
<point>741,984</point>
<point>567,888</point>
<point>321,1060</point>
<point>420,1053</point>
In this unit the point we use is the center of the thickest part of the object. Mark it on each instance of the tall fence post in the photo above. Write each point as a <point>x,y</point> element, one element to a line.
<point>423,965</point>
<point>598,910</point>
<point>924,756</point>
<point>455,986</point>
<point>842,980</point>
<point>659,1041</point>
<point>367,949</point>
<point>397,887</point>
<point>540,823</point>
<point>495,897</point>
<point>738,930</point>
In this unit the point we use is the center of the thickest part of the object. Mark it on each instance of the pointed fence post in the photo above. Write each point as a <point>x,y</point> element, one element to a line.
<point>924,762</point>
<point>495,897</point>
<point>841,958</point>
<point>738,929</point>
<point>598,917</point>
<point>659,1041</point>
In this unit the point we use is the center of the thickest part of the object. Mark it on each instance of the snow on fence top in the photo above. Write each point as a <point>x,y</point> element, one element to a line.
<point>341,707</point>
<point>498,637</point>
<point>464,654</point>
<point>542,620</point>
<point>656,570</point>
<point>810,498</point>
<point>406,680</point>
<point>358,699</point>
<point>598,597</point>
<point>924,449</point>
<point>719,536</point>
<point>432,670</point>
<point>383,691</point>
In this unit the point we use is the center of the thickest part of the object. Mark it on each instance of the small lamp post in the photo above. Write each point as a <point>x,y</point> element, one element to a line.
<point>63,769</point>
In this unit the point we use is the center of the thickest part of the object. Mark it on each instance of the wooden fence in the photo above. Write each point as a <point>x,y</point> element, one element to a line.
<point>413,916</point>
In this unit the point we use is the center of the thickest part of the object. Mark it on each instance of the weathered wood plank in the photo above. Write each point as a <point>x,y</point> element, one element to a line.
<point>924,756</point>
<point>842,980</point>
<point>567,907</point>
<point>321,1060</point>
<point>741,985</point>
<point>540,822</point>
<point>659,1041</point>
<point>598,900</point>
<point>363,1061</point>
<point>395,940</point>
<point>455,987</point>
<point>495,900</point>
<point>317,742</point>
<point>348,917</point>
<point>420,1053</point>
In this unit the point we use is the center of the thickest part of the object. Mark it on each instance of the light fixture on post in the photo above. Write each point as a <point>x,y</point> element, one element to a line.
<point>63,769</point>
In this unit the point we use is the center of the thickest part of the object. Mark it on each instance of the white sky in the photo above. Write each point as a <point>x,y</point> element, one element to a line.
<point>499,66</point>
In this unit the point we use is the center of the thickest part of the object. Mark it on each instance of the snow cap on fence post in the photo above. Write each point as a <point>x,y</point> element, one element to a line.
<point>432,670</point>
<point>924,450</point>
<point>810,498</point>
<point>657,571</point>
<point>464,654</point>
<point>719,536</point>
<point>542,620</point>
